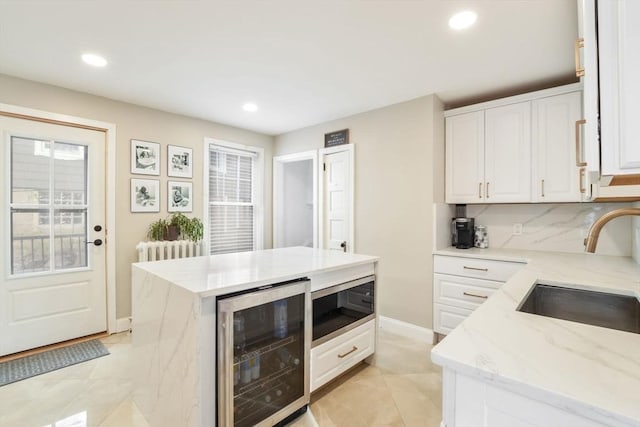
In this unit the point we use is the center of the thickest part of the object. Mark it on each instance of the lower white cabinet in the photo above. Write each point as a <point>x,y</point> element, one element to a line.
<point>470,402</point>
<point>461,284</point>
<point>332,358</point>
<point>447,317</point>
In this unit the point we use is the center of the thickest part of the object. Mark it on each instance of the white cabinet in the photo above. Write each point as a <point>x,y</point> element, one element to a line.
<point>619,62</point>
<point>507,153</point>
<point>556,172</point>
<point>465,158</point>
<point>488,155</point>
<point>330,359</point>
<point>470,402</point>
<point>515,150</point>
<point>607,59</point>
<point>461,284</point>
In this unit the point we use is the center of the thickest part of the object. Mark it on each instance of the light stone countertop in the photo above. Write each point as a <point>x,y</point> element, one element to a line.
<point>581,368</point>
<point>223,274</point>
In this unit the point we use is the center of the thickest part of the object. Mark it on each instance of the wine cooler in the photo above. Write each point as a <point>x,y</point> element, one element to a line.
<point>264,338</point>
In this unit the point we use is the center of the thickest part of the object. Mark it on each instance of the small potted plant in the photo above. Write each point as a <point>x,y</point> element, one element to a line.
<point>158,230</point>
<point>176,226</point>
<point>187,228</point>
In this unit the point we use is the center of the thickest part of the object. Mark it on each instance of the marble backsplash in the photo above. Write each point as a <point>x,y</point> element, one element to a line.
<point>559,227</point>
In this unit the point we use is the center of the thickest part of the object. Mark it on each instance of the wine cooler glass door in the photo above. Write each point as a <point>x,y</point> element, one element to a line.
<point>263,346</point>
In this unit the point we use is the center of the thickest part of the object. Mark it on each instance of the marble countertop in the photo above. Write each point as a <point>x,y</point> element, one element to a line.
<point>591,370</point>
<point>222,274</point>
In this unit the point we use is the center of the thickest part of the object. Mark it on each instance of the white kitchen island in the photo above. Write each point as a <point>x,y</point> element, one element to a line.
<point>174,320</point>
<point>505,368</point>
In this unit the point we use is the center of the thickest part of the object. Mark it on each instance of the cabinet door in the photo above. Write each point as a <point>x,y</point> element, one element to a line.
<point>619,39</point>
<point>556,175</point>
<point>589,130</point>
<point>507,154</point>
<point>465,158</point>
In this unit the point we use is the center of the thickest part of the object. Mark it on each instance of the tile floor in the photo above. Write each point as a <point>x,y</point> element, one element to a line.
<point>401,388</point>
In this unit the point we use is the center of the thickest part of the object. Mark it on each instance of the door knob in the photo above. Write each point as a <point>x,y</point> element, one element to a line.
<point>96,242</point>
<point>97,228</point>
<point>343,245</point>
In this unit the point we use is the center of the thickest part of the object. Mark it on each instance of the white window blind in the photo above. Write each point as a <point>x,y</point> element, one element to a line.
<point>232,207</point>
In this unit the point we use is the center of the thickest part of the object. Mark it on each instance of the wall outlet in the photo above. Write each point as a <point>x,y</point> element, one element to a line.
<point>517,229</point>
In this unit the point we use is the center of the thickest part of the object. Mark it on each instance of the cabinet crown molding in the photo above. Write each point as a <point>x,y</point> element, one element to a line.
<point>529,96</point>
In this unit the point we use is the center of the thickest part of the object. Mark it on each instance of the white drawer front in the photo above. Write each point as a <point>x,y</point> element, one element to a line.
<point>446,318</point>
<point>472,267</point>
<point>464,292</point>
<point>332,358</point>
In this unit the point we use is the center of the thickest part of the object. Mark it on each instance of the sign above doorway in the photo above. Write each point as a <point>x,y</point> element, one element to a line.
<point>337,137</point>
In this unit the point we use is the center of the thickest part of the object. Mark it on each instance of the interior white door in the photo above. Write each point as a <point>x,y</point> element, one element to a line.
<point>337,201</point>
<point>53,277</point>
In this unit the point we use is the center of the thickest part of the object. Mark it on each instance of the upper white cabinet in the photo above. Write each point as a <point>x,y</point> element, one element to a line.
<point>507,154</point>
<point>515,150</point>
<point>488,155</point>
<point>464,167</point>
<point>619,62</point>
<point>556,162</point>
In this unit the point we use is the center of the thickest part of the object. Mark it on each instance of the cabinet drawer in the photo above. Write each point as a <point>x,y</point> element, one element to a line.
<point>446,318</point>
<point>474,267</point>
<point>330,359</point>
<point>464,292</point>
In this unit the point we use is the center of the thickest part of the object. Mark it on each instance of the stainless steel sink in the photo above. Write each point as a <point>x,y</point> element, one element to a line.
<point>612,311</point>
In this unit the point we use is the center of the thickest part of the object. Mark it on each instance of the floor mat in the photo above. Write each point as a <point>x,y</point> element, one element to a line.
<point>37,364</point>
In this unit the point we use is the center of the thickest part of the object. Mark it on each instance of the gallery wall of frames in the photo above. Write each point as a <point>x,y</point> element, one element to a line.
<point>146,158</point>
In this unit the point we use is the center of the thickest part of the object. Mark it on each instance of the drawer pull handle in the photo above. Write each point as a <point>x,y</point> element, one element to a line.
<point>474,295</point>
<point>475,268</point>
<point>341,356</point>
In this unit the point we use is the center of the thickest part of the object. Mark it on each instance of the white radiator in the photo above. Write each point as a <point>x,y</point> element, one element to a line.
<point>158,250</point>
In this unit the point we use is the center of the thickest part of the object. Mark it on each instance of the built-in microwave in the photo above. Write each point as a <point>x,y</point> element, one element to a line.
<point>341,308</point>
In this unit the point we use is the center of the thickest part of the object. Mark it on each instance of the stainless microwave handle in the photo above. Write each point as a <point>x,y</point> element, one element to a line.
<point>342,287</point>
<point>225,368</point>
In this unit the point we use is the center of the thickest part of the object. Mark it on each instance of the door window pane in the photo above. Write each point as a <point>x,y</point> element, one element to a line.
<point>30,167</point>
<point>70,174</point>
<point>30,242</point>
<point>70,239</point>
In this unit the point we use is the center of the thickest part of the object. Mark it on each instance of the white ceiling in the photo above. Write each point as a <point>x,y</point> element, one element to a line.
<point>302,62</point>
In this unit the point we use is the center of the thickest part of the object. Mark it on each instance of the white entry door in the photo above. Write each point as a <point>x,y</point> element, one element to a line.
<point>337,201</point>
<point>52,274</point>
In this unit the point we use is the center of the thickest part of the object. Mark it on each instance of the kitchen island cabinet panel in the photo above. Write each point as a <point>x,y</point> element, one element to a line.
<point>174,321</point>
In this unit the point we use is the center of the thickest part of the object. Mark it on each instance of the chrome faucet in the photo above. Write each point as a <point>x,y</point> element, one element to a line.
<point>594,232</point>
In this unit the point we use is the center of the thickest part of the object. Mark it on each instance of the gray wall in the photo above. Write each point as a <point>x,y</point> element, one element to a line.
<point>399,173</point>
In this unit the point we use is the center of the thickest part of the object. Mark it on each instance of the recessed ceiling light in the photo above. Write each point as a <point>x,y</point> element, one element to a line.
<point>462,20</point>
<point>95,60</point>
<point>250,107</point>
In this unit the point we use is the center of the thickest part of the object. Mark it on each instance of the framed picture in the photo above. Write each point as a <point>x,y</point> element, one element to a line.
<point>145,157</point>
<point>145,195</point>
<point>180,196</point>
<point>179,161</point>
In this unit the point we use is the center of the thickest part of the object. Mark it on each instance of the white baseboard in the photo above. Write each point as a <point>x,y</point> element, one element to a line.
<point>405,329</point>
<point>123,324</point>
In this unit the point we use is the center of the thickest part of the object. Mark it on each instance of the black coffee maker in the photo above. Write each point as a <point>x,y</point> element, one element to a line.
<point>462,233</point>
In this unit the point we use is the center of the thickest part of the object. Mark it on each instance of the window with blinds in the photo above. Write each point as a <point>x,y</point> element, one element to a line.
<point>232,208</point>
